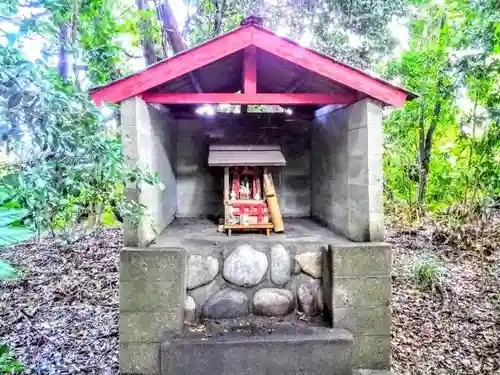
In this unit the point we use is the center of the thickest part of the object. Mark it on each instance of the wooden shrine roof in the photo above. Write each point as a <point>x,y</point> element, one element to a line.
<point>252,65</point>
<point>245,155</point>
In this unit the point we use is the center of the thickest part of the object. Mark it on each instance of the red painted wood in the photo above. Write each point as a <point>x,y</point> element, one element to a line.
<point>326,67</point>
<point>223,98</point>
<point>237,40</point>
<point>174,67</point>
<point>250,70</point>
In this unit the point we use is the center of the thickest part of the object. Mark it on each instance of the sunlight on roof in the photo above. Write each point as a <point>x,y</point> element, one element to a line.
<point>205,110</point>
<point>306,38</point>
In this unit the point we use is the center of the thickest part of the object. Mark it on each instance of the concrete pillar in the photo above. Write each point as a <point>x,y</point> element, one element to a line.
<point>149,141</point>
<point>346,165</point>
<point>152,297</point>
<point>357,297</point>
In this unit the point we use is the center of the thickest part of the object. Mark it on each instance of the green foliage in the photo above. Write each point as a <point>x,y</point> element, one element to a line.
<point>357,32</point>
<point>68,166</point>
<point>427,273</point>
<point>453,68</point>
<point>8,365</point>
<point>6,271</point>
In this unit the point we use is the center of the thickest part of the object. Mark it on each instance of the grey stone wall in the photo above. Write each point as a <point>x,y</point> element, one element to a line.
<point>152,295</point>
<point>241,278</point>
<point>357,296</point>
<point>346,170</point>
<point>199,187</point>
<point>149,138</point>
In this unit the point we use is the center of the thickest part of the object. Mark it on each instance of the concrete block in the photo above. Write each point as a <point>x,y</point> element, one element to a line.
<point>358,172</point>
<point>339,191</point>
<point>358,225</point>
<point>128,112</point>
<point>139,358</point>
<point>129,142</point>
<point>149,327</point>
<point>366,112</point>
<point>375,169</point>
<point>372,352</point>
<point>358,141</point>
<point>375,144</point>
<point>324,352</point>
<point>153,264</point>
<point>368,259</point>
<point>375,192</point>
<point>359,198</point>
<point>363,321</point>
<point>373,112</point>
<point>361,291</point>
<point>150,296</point>
<point>377,227</point>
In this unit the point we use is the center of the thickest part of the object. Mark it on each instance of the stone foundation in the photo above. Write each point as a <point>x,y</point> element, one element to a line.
<point>263,279</point>
<point>346,284</point>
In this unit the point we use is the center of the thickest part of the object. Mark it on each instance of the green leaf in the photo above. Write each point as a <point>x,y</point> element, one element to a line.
<point>6,271</point>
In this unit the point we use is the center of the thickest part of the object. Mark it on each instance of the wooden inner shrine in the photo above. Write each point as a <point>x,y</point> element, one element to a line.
<point>250,200</point>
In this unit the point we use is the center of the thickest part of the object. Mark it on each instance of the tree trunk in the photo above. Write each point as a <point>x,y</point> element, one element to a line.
<point>169,25</point>
<point>63,64</point>
<point>172,34</point>
<point>425,143</point>
<point>148,46</point>
<point>426,150</point>
<point>220,7</point>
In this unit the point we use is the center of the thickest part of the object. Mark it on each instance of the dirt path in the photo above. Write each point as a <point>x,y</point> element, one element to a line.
<point>62,316</point>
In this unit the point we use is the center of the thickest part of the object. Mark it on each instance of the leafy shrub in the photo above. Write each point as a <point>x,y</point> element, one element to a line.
<point>427,272</point>
<point>8,365</point>
<point>69,165</point>
<point>6,271</point>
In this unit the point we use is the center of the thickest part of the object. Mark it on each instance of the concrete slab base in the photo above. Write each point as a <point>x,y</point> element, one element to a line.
<point>319,352</point>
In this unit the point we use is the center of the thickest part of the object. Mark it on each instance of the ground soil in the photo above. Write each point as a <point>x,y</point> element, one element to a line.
<point>61,316</point>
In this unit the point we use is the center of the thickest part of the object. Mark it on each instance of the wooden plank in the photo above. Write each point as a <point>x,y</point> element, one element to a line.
<point>249,226</point>
<point>174,67</point>
<point>328,68</point>
<point>228,98</point>
<point>250,70</point>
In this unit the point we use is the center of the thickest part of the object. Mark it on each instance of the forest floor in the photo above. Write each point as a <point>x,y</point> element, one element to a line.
<point>61,316</point>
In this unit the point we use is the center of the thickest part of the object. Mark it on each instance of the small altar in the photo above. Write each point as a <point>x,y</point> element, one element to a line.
<point>249,197</point>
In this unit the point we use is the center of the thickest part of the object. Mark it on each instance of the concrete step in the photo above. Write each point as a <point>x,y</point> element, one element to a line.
<point>322,351</point>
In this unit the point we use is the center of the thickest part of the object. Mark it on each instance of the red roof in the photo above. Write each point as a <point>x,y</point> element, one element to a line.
<point>252,59</point>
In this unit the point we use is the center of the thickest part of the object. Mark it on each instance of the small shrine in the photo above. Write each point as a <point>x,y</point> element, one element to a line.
<point>249,197</point>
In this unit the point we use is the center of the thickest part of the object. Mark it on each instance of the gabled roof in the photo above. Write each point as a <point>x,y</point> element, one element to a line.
<point>245,155</point>
<point>282,66</point>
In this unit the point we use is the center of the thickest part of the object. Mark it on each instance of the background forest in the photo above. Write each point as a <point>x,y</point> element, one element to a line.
<point>61,158</point>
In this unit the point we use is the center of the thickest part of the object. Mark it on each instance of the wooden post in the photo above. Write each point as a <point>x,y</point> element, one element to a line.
<point>227,207</point>
<point>272,202</point>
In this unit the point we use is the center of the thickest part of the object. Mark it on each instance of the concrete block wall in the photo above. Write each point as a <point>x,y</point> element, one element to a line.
<point>199,187</point>
<point>358,299</point>
<point>346,170</point>
<point>152,296</point>
<point>149,139</point>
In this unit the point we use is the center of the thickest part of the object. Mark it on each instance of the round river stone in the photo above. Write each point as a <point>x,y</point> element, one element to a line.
<point>311,263</point>
<point>226,303</point>
<point>307,295</point>
<point>273,302</point>
<point>245,266</point>
<point>280,265</point>
<point>189,310</point>
<point>201,270</point>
